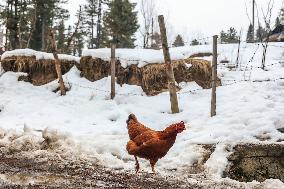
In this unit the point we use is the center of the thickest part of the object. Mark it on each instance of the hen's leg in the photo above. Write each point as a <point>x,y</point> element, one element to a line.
<point>137,165</point>
<point>153,163</point>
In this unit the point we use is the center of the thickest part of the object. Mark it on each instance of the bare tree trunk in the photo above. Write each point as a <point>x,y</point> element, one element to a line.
<point>33,24</point>
<point>253,10</point>
<point>99,30</point>
<point>92,30</point>
<point>6,31</point>
<point>15,31</point>
<point>57,62</point>
<point>147,10</point>
<point>43,35</point>
<point>152,32</point>
<point>267,20</point>
<point>214,76</point>
<point>113,46</point>
<point>265,46</point>
<point>21,14</point>
<point>170,72</point>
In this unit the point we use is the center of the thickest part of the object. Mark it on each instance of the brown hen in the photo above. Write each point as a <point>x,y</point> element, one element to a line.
<point>149,144</point>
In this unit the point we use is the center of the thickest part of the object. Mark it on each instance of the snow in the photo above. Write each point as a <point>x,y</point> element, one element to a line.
<point>38,55</point>
<point>245,109</point>
<point>142,57</point>
<point>33,143</point>
<point>218,161</point>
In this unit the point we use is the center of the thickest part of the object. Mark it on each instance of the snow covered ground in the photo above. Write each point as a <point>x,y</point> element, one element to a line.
<point>246,110</point>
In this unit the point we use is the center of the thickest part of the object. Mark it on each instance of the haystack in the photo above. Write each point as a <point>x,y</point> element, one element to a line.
<point>151,77</point>
<point>39,70</point>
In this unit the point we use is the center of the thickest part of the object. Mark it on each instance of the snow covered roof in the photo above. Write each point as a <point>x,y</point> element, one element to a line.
<point>143,57</point>
<point>39,55</point>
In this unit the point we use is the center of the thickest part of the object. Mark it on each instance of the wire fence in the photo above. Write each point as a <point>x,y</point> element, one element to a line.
<point>225,82</point>
<point>231,82</point>
<point>247,71</point>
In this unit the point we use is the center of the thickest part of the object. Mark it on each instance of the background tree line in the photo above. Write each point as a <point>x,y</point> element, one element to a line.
<point>98,22</point>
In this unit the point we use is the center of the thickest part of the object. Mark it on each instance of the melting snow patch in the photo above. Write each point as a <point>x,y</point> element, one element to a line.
<point>38,143</point>
<point>218,161</point>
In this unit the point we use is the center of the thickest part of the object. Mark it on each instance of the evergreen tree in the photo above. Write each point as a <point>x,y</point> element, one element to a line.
<point>17,16</point>
<point>250,37</point>
<point>223,37</point>
<point>61,36</point>
<point>24,22</point>
<point>89,18</point>
<point>195,42</point>
<point>78,43</point>
<point>47,13</point>
<point>178,41</point>
<point>101,31</point>
<point>281,19</point>
<point>27,23</point>
<point>10,17</point>
<point>261,34</point>
<point>121,22</point>
<point>232,35</point>
<point>105,37</point>
<point>92,21</point>
<point>277,22</point>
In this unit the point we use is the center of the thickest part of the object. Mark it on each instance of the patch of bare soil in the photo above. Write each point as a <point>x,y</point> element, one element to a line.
<point>30,173</point>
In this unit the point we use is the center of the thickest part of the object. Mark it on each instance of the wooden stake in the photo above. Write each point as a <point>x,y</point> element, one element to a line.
<point>57,62</point>
<point>214,76</point>
<point>170,72</point>
<point>113,60</point>
<point>238,56</point>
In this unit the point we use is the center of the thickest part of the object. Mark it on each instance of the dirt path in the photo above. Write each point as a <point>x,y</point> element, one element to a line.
<point>28,173</point>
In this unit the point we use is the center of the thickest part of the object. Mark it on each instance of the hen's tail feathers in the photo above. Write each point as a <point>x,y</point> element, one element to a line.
<point>131,117</point>
<point>131,147</point>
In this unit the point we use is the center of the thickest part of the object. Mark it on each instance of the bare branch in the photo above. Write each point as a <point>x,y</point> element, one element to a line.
<point>70,39</point>
<point>147,9</point>
<point>248,14</point>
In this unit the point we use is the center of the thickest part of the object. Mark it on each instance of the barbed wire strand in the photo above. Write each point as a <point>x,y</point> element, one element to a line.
<point>179,93</point>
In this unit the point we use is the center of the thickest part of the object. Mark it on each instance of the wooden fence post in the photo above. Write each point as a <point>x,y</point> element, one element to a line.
<point>113,61</point>
<point>238,55</point>
<point>57,62</point>
<point>170,72</point>
<point>214,76</point>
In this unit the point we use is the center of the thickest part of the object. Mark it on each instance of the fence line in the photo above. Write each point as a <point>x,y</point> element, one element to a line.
<point>193,91</point>
<point>179,93</point>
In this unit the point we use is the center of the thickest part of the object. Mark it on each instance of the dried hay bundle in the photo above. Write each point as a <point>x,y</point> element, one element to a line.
<point>94,69</point>
<point>152,77</point>
<point>39,72</point>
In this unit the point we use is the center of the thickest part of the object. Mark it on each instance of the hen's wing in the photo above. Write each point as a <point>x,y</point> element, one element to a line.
<point>145,137</point>
<point>135,128</point>
<point>141,139</point>
<point>152,148</point>
<point>147,145</point>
